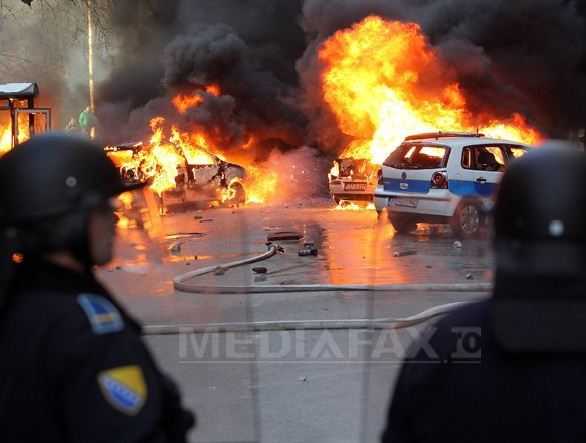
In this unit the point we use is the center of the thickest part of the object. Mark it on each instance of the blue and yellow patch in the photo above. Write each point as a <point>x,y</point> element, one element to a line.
<point>124,388</point>
<point>102,314</point>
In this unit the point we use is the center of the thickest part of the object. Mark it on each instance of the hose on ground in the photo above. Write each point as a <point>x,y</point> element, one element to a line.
<point>181,283</point>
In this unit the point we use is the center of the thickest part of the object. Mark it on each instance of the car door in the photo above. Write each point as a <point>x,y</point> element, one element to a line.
<point>482,167</point>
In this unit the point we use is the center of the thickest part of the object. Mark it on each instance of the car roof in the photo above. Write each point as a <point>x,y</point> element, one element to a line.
<point>463,141</point>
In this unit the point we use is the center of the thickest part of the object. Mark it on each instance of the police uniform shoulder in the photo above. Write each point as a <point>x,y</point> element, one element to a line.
<point>100,313</point>
<point>83,313</point>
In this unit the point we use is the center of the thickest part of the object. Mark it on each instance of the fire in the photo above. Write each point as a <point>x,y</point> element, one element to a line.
<point>383,82</point>
<point>166,158</point>
<point>171,150</point>
<point>261,184</point>
<point>214,90</point>
<point>5,140</point>
<point>351,206</point>
<point>193,154</point>
<point>184,103</point>
<point>6,134</point>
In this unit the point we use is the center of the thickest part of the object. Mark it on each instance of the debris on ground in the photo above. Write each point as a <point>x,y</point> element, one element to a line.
<point>175,248</point>
<point>309,249</point>
<point>260,270</point>
<point>197,217</point>
<point>182,235</point>
<point>469,276</point>
<point>398,254</point>
<point>284,236</point>
<point>303,379</point>
<point>458,245</point>
<point>206,220</point>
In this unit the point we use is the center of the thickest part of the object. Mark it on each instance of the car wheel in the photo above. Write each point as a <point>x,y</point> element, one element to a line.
<point>337,200</point>
<point>467,221</point>
<point>402,223</point>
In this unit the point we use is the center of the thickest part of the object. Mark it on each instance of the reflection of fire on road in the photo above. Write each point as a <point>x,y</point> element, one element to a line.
<point>382,81</point>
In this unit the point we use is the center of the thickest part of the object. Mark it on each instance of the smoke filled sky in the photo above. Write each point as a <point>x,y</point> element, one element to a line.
<point>525,56</point>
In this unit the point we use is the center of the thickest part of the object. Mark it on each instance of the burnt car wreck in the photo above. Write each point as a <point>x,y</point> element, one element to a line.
<point>353,180</point>
<point>208,181</point>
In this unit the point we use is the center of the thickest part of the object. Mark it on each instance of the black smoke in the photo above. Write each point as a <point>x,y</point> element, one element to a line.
<point>247,48</point>
<point>526,56</point>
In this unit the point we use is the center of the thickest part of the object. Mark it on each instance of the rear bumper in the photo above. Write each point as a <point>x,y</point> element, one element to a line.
<point>354,197</point>
<point>437,204</point>
<point>338,191</point>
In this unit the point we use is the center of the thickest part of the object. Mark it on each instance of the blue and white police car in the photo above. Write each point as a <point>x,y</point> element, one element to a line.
<point>443,178</point>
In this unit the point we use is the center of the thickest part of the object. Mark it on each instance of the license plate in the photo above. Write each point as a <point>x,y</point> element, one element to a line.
<point>355,187</point>
<point>404,203</point>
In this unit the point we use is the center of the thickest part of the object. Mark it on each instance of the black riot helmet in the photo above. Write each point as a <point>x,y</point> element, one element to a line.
<point>54,180</point>
<point>540,213</point>
<point>540,249</point>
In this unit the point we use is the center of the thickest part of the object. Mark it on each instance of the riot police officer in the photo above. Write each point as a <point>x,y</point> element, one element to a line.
<point>74,367</point>
<point>511,368</point>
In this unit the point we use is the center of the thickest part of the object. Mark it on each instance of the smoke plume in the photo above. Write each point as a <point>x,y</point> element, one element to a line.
<point>522,56</point>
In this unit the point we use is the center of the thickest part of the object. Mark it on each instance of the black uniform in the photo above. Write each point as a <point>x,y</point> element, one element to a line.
<point>75,369</point>
<point>475,391</point>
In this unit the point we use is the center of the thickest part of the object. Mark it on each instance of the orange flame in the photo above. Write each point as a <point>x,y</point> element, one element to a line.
<point>5,140</point>
<point>6,134</point>
<point>214,90</point>
<point>383,82</point>
<point>170,150</point>
<point>183,103</point>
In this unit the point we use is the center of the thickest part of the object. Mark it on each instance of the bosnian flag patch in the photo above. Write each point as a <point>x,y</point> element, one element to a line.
<point>124,388</point>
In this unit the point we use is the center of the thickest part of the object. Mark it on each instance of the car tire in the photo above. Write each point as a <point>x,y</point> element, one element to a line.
<point>337,200</point>
<point>402,223</point>
<point>467,221</point>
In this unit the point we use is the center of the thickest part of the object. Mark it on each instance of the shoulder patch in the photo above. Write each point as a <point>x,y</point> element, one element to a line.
<point>103,315</point>
<point>124,388</point>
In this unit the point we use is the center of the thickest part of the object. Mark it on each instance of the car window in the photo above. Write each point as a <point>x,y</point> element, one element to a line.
<point>516,151</point>
<point>484,158</point>
<point>418,157</point>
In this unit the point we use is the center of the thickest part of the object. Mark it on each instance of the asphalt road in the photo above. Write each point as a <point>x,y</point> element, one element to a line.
<point>286,386</point>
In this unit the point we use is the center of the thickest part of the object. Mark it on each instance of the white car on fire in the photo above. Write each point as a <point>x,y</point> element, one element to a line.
<point>443,178</point>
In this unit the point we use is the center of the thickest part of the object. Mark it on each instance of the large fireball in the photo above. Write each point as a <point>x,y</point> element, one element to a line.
<point>382,81</point>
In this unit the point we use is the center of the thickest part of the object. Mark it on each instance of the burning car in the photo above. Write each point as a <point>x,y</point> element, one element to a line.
<point>177,178</point>
<point>353,180</point>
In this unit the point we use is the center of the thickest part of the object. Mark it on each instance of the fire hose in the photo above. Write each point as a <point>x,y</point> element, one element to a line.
<point>293,325</point>
<point>180,283</point>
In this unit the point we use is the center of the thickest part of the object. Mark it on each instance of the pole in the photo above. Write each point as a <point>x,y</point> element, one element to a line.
<point>90,44</point>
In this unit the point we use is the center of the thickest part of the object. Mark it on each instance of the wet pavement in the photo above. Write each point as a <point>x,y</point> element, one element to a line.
<point>300,397</point>
<point>354,247</point>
